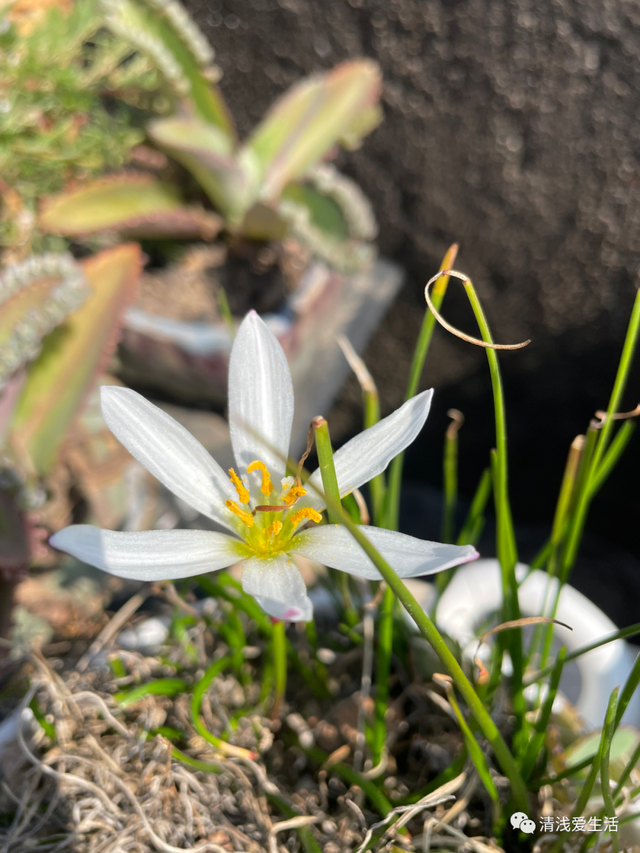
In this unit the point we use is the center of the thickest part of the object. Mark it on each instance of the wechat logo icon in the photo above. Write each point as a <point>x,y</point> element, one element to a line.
<point>519,820</point>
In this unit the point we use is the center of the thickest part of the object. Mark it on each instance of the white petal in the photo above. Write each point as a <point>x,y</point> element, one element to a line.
<point>151,555</point>
<point>278,587</point>
<point>260,397</point>
<point>168,451</point>
<point>369,452</point>
<point>333,545</point>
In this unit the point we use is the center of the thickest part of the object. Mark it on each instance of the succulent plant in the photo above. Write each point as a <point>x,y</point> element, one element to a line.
<point>136,205</point>
<point>276,182</point>
<point>59,65</point>
<point>35,297</point>
<point>59,323</point>
<point>73,354</point>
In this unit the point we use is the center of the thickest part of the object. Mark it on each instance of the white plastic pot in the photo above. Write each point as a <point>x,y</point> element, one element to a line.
<point>189,360</point>
<point>474,597</point>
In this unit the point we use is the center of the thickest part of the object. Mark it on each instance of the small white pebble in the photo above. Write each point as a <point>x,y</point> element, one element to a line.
<point>326,656</point>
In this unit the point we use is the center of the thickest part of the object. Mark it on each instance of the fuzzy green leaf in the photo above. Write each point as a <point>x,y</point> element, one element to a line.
<point>169,37</point>
<point>35,296</point>
<point>137,205</point>
<point>72,358</point>
<point>319,222</point>
<point>316,114</point>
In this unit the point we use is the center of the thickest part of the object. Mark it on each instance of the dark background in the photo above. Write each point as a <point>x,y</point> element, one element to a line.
<point>514,129</point>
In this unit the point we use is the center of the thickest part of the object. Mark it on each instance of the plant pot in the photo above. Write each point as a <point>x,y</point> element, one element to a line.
<point>188,361</point>
<point>474,597</point>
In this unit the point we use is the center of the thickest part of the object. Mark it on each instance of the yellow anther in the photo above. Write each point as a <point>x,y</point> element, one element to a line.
<point>243,493</point>
<point>266,488</point>
<point>293,494</point>
<point>242,515</point>
<point>274,529</point>
<point>307,512</point>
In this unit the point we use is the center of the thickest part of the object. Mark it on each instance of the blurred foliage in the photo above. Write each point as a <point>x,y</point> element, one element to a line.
<point>273,185</point>
<point>72,97</point>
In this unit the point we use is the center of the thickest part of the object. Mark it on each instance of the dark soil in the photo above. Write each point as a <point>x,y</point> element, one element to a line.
<point>254,276</point>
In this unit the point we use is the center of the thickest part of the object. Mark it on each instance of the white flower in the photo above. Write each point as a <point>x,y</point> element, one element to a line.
<point>261,399</point>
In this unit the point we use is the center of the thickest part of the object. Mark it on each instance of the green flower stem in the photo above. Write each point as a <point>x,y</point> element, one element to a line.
<point>417,365</point>
<point>116,666</point>
<point>506,547</point>
<point>312,636</point>
<point>330,486</point>
<point>608,809</point>
<point>507,554</point>
<point>279,652</point>
<point>385,632</point>
<point>383,673</point>
<point>325,463</point>
<point>432,635</point>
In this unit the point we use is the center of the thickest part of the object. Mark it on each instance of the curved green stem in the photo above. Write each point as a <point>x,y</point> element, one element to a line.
<point>417,365</point>
<point>432,635</point>
<point>279,651</point>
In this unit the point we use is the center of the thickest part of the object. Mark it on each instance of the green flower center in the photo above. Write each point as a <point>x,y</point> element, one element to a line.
<point>267,529</point>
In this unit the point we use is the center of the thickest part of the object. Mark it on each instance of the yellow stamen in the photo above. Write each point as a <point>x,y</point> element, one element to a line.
<point>266,488</point>
<point>307,512</point>
<point>243,493</point>
<point>242,515</point>
<point>274,529</point>
<point>293,494</point>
